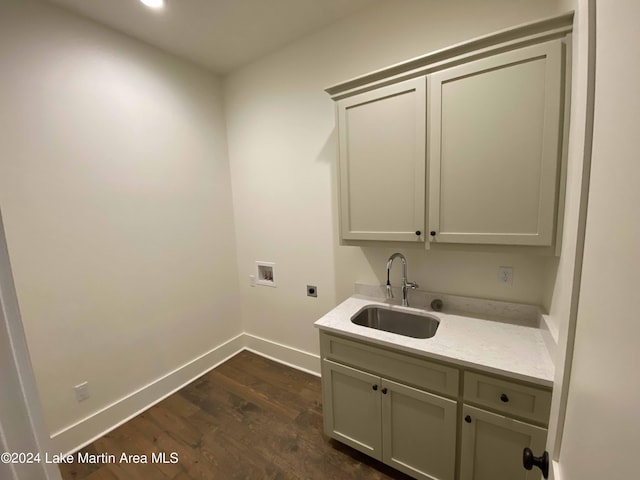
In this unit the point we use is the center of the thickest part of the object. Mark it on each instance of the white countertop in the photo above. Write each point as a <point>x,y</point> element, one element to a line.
<point>514,351</point>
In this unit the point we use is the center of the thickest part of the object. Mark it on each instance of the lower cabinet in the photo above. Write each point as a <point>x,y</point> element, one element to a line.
<point>393,406</point>
<point>409,429</point>
<point>492,446</point>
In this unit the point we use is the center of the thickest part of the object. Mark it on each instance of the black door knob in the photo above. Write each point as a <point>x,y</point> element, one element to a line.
<point>504,398</point>
<point>418,232</point>
<point>375,387</point>
<point>542,462</point>
<point>467,419</point>
<point>432,233</point>
<point>384,390</point>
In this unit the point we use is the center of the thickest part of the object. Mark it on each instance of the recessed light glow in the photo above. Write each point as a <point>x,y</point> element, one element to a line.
<point>153,3</point>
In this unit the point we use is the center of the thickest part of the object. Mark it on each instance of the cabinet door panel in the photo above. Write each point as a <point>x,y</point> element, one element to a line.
<point>352,407</point>
<point>418,432</point>
<point>382,163</point>
<point>494,148</point>
<point>492,446</point>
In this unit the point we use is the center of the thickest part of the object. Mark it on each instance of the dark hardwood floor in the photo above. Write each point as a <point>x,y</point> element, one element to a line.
<point>250,418</point>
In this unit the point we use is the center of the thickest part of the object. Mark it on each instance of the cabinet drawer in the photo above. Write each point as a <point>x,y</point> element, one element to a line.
<point>511,398</point>
<point>407,369</point>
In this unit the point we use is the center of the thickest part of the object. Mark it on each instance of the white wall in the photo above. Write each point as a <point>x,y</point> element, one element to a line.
<point>115,190</point>
<point>282,148</point>
<point>601,434</point>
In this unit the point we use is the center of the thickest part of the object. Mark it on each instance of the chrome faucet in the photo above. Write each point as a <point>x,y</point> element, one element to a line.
<point>405,284</point>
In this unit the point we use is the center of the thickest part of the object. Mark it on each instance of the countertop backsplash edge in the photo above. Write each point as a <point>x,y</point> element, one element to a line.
<point>497,310</point>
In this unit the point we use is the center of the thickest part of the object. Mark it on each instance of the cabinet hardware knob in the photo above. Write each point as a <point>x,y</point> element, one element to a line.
<point>384,391</point>
<point>418,232</point>
<point>432,233</point>
<point>542,462</point>
<point>504,398</point>
<point>375,387</point>
<point>467,419</point>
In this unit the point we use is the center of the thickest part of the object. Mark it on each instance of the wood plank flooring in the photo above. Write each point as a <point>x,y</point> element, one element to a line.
<point>250,418</point>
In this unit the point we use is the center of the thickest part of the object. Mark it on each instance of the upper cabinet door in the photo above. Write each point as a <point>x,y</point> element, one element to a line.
<point>382,163</point>
<point>494,148</point>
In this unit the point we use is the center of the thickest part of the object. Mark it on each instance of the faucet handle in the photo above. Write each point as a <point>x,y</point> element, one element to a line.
<point>412,285</point>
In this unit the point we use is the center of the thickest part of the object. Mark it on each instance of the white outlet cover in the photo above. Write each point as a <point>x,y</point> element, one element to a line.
<point>505,275</point>
<point>82,391</point>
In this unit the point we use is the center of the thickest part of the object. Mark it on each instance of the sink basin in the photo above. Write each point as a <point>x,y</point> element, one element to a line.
<point>395,321</point>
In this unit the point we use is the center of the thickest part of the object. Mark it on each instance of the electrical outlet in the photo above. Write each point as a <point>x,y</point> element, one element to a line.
<point>82,391</point>
<point>505,275</point>
<point>312,291</point>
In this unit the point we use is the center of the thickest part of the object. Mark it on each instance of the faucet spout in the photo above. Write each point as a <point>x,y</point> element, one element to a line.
<point>405,284</point>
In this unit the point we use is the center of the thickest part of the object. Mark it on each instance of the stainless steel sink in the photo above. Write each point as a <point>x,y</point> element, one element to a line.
<point>395,321</point>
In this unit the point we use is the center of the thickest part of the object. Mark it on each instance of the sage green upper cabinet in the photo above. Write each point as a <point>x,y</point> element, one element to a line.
<point>478,161</point>
<point>495,129</point>
<point>382,163</point>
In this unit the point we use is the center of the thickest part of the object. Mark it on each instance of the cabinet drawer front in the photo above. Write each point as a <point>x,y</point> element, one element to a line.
<point>511,398</point>
<point>396,366</point>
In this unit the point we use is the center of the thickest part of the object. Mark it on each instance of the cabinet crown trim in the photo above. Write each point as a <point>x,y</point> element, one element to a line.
<point>553,27</point>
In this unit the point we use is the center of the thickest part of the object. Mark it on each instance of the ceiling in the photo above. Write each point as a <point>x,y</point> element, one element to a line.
<point>220,35</point>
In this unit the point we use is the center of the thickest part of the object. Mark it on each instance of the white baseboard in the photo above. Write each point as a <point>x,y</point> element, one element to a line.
<point>292,357</point>
<point>72,438</point>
